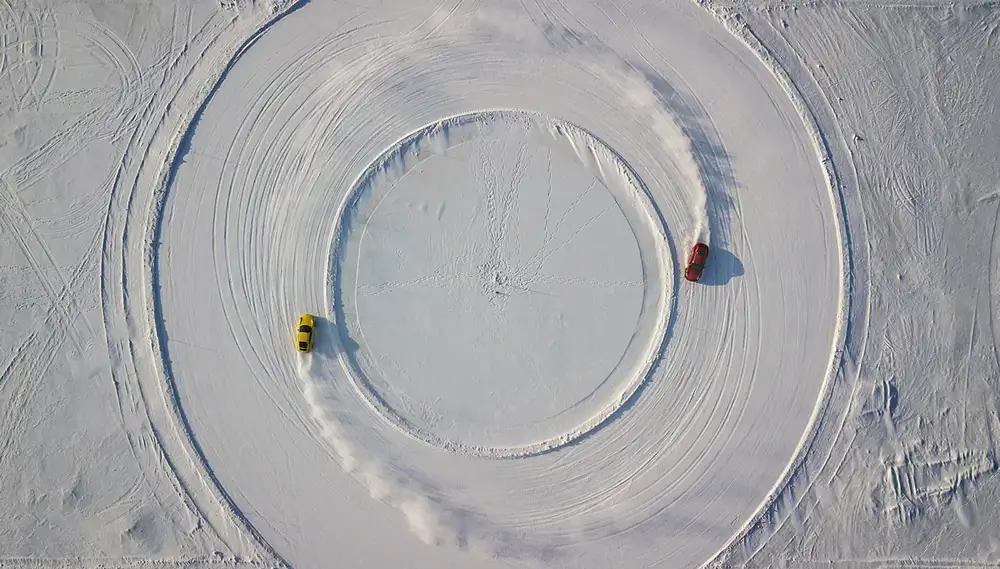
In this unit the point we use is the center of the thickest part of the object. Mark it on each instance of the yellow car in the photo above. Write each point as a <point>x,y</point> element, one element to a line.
<point>304,333</point>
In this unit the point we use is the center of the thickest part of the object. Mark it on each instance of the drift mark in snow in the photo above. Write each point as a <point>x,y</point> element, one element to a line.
<point>427,520</point>
<point>428,515</point>
<point>499,280</point>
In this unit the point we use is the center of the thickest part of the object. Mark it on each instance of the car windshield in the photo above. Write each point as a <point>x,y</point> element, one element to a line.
<point>302,345</point>
<point>305,328</point>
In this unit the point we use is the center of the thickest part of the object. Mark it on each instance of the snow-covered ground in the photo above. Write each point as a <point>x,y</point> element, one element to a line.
<point>488,205</point>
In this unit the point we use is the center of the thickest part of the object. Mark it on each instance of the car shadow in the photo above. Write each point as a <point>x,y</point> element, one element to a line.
<point>331,341</point>
<point>722,267</point>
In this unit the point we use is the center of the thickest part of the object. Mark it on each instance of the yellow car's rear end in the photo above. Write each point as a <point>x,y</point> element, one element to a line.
<point>304,333</point>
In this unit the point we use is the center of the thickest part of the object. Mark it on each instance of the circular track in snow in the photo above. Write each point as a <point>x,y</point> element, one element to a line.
<point>248,238</point>
<point>501,282</point>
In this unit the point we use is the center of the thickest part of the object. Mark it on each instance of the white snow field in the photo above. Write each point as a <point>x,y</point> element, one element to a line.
<point>488,206</point>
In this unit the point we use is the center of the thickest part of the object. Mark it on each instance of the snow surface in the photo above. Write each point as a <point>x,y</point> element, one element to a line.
<point>555,315</point>
<point>487,205</point>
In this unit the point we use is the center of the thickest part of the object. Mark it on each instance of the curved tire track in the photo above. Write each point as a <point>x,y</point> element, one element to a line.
<point>294,137</point>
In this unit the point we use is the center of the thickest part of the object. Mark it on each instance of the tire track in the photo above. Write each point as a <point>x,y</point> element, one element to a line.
<point>855,304</point>
<point>101,119</point>
<point>24,72</point>
<point>22,228</point>
<point>116,114</point>
<point>132,407</point>
<point>270,102</point>
<point>246,251</point>
<point>436,19</point>
<point>6,24</point>
<point>122,327</point>
<point>136,245</point>
<point>24,374</point>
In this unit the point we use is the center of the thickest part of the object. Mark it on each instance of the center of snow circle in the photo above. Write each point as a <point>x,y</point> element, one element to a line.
<point>500,284</point>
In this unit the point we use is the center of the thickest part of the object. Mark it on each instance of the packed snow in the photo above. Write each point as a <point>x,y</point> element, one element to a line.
<point>488,206</point>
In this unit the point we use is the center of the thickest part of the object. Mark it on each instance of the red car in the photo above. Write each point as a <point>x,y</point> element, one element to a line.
<point>696,262</point>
